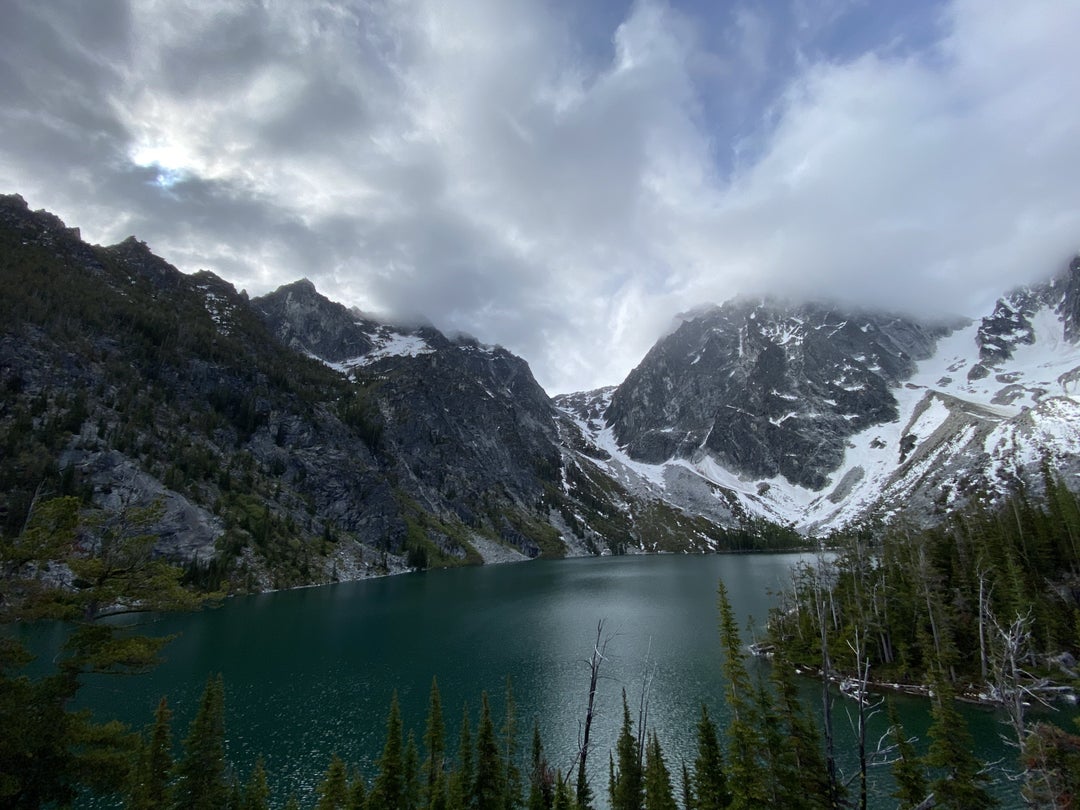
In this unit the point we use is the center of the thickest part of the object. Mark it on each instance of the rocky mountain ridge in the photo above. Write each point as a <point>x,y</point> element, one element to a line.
<point>286,439</point>
<point>819,419</point>
<point>289,439</point>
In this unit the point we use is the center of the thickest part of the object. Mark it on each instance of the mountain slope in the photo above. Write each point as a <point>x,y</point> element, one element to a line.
<point>285,440</point>
<point>816,418</point>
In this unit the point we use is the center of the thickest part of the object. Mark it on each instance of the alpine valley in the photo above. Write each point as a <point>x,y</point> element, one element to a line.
<point>288,440</point>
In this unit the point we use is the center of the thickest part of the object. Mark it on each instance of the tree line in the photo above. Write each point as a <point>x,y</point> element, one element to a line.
<point>984,606</point>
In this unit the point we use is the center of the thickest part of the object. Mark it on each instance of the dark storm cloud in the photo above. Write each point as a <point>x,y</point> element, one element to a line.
<point>556,177</point>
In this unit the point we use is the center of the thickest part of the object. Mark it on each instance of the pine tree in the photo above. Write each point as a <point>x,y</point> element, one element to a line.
<point>154,768</point>
<point>689,802</point>
<point>709,786</point>
<point>358,792</point>
<point>411,795</point>
<point>434,748</point>
<point>388,792</point>
<point>488,787</point>
<point>541,789</point>
<point>201,783</point>
<point>907,770</point>
<point>625,785</point>
<point>461,781</point>
<point>257,792</point>
<point>512,777</point>
<point>658,791</point>
<point>564,799</point>
<point>746,777</point>
<point>333,790</point>
<point>805,782</point>
<point>777,762</point>
<point>962,784</point>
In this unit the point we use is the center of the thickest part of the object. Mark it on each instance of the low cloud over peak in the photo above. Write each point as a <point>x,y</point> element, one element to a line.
<point>552,177</point>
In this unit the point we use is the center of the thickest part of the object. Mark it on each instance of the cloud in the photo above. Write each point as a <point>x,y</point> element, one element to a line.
<point>553,179</point>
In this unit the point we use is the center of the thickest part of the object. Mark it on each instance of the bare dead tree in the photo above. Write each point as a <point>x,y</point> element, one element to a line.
<point>643,707</point>
<point>599,655</point>
<point>862,667</point>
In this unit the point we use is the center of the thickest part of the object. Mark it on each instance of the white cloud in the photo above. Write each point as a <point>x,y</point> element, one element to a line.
<point>472,162</point>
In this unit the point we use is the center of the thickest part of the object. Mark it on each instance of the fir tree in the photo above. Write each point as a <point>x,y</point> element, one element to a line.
<point>357,792</point>
<point>961,785</point>
<point>907,770</point>
<point>333,790</point>
<point>201,783</point>
<point>746,777</point>
<point>411,794</point>
<point>512,777</point>
<point>488,786</point>
<point>434,748</point>
<point>388,792</point>
<point>541,789</point>
<point>461,781</point>
<point>709,787</point>
<point>257,792</point>
<point>688,800</point>
<point>564,799</point>
<point>625,787</point>
<point>154,768</point>
<point>658,791</point>
<point>805,782</point>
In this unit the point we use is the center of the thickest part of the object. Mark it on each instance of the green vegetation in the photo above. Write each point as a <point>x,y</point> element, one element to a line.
<point>984,606</point>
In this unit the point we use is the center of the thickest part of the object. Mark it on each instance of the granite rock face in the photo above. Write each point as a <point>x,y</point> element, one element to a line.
<point>291,439</point>
<point>768,390</point>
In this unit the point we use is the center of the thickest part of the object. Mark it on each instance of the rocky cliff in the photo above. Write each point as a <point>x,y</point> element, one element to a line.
<point>817,418</point>
<point>286,439</point>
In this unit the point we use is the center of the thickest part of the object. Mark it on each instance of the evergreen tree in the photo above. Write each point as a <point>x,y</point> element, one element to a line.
<point>440,799</point>
<point>541,789</point>
<point>411,795</point>
<point>805,781</point>
<point>333,790</point>
<point>688,800</point>
<point>658,791</point>
<point>388,792</point>
<point>201,782</point>
<point>512,777</point>
<point>709,787</point>
<point>257,792</point>
<point>358,792</point>
<point>564,799</point>
<point>961,785</point>
<point>488,785</point>
<point>460,793</point>
<point>777,764</point>
<point>746,777</point>
<point>434,748</point>
<point>625,784</point>
<point>907,770</point>
<point>153,771</point>
<point>235,799</point>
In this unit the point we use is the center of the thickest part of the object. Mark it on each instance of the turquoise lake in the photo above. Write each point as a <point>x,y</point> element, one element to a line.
<point>310,672</point>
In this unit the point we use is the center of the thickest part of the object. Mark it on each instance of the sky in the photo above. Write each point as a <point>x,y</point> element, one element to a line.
<point>556,176</point>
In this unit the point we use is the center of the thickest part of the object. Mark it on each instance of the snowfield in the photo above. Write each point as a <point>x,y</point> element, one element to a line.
<point>958,417</point>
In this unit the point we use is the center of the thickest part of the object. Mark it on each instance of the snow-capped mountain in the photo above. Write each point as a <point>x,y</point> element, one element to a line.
<point>817,418</point>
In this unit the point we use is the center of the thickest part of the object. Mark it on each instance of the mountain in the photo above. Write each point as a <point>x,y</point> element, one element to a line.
<point>288,439</point>
<point>815,417</point>
<point>285,439</point>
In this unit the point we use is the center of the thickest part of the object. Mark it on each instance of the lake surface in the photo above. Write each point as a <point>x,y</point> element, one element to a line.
<point>310,672</point>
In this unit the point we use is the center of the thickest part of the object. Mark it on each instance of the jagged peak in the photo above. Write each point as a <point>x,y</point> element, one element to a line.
<point>14,201</point>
